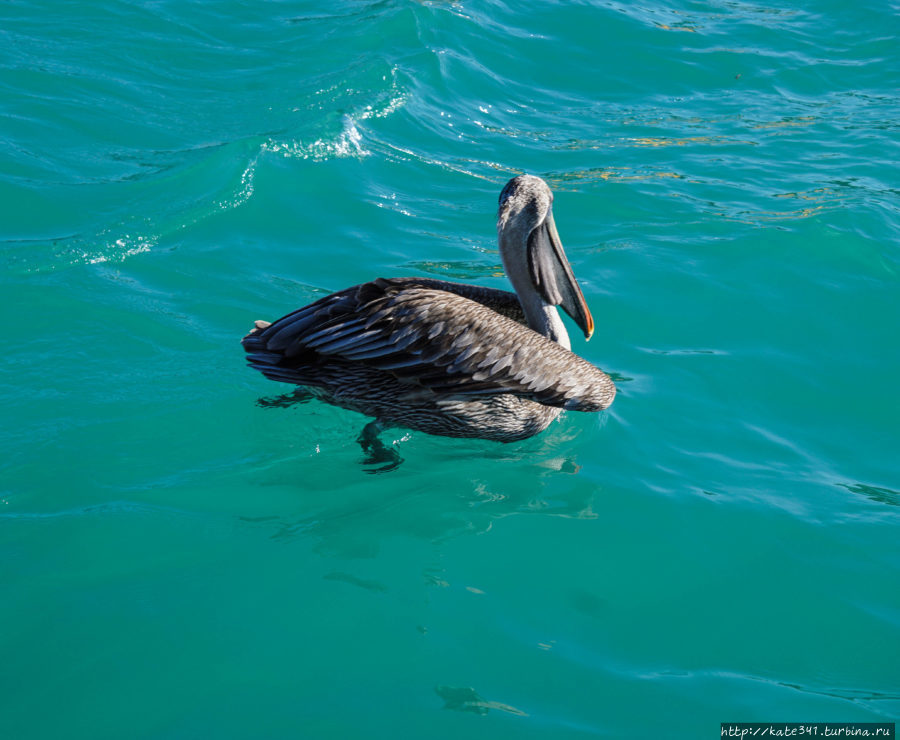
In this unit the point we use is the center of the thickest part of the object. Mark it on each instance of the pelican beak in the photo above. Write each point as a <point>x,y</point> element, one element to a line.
<point>552,275</point>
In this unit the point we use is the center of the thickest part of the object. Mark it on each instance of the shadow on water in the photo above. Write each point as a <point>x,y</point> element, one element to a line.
<point>285,400</point>
<point>445,488</point>
<point>379,457</point>
<point>466,699</point>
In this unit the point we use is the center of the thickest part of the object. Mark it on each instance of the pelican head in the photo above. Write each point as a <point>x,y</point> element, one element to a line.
<point>535,261</point>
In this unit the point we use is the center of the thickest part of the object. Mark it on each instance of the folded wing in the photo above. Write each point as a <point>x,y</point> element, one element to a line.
<point>448,338</point>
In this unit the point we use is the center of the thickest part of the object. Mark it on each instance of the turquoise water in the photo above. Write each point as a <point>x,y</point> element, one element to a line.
<point>722,545</point>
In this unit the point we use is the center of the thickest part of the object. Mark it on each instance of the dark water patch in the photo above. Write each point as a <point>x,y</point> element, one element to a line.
<point>466,699</point>
<point>874,493</point>
<point>353,580</point>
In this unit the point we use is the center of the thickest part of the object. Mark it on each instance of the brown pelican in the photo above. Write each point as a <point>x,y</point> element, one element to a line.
<point>448,358</point>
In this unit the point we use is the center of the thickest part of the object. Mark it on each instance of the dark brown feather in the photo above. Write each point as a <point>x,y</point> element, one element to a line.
<point>451,340</point>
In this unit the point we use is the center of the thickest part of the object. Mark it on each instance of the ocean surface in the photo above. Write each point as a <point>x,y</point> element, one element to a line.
<point>178,560</point>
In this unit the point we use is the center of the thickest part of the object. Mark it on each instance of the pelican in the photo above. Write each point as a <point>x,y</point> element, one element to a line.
<point>449,358</point>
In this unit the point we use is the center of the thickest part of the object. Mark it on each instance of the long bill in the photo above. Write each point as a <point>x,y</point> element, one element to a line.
<point>552,275</point>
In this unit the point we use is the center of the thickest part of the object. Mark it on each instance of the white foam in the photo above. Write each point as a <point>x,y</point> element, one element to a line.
<point>349,142</point>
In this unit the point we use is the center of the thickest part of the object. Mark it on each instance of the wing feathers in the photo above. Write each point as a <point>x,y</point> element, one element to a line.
<point>445,337</point>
